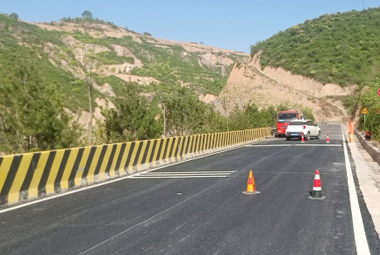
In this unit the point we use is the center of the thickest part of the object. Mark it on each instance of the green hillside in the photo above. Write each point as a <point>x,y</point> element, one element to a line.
<point>341,48</point>
<point>52,74</point>
<point>22,40</point>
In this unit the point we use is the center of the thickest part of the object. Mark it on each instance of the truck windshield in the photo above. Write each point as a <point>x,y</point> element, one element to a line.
<point>286,117</point>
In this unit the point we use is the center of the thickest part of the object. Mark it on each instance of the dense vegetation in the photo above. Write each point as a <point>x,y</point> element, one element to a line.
<point>41,78</point>
<point>370,100</point>
<point>341,48</point>
<point>32,116</point>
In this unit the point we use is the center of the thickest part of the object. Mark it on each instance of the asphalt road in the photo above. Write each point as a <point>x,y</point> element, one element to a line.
<point>198,207</point>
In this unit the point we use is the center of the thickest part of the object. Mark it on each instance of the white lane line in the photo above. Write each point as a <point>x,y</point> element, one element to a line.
<point>357,219</point>
<point>189,173</point>
<point>175,177</point>
<point>294,144</point>
<point>268,145</point>
<point>320,145</point>
<point>178,175</point>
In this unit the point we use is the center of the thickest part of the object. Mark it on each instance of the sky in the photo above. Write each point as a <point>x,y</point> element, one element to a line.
<point>233,25</point>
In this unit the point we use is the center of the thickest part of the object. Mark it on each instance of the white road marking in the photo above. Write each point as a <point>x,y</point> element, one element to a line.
<point>293,144</point>
<point>180,175</point>
<point>268,145</point>
<point>357,218</point>
<point>105,182</point>
<point>320,145</point>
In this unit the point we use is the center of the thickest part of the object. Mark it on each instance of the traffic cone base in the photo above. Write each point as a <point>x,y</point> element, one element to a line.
<point>251,188</point>
<point>251,193</point>
<point>316,194</point>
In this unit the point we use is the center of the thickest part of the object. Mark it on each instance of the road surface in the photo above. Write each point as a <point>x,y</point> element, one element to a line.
<point>198,207</point>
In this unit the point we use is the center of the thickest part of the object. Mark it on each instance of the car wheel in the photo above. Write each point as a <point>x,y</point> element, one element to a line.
<point>287,138</point>
<point>307,137</point>
<point>319,134</point>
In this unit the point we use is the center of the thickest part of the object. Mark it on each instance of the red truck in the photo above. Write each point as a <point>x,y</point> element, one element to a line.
<point>283,118</point>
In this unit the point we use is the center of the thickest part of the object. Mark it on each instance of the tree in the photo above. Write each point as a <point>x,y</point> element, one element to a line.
<point>88,65</point>
<point>166,85</point>
<point>132,119</point>
<point>308,113</point>
<point>14,15</point>
<point>237,119</point>
<point>87,15</point>
<point>32,116</point>
<point>213,121</point>
<point>370,99</point>
<point>185,114</point>
<point>225,99</point>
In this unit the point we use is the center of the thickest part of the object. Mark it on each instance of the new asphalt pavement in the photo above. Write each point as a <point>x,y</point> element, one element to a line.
<point>199,207</point>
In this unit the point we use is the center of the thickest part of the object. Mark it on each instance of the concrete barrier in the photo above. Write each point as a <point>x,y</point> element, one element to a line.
<point>372,150</point>
<point>35,175</point>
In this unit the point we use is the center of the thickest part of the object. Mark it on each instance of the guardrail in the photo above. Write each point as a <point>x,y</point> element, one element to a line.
<point>35,175</point>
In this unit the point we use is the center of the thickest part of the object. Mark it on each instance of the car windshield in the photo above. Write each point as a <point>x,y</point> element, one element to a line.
<point>296,123</point>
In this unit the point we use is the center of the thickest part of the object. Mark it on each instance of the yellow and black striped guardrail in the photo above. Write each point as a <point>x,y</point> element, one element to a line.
<point>34,175</point>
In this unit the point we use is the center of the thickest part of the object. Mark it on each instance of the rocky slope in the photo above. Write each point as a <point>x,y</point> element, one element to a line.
<point>247,83</point>
<point>208,57</point>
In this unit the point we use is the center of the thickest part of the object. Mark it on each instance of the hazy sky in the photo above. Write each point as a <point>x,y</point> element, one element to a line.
<point>234,25</point>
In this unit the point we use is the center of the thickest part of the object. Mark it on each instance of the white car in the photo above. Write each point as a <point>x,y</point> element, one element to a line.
<point>307,128</point>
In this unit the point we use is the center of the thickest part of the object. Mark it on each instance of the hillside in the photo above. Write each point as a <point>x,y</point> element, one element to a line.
<point>212,65</point>
<point>203,69</point>
<point>339,48</point>
<point>76,71</point>
<point>248,83</point>
<point>200,67</point>
<point>153,86</point>
<point>324,64</point>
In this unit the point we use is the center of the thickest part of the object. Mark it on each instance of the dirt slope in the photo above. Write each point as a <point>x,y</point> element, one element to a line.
<point>247,83</point>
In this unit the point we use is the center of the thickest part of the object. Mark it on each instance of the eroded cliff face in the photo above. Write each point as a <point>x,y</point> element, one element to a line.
<point>247,83</point>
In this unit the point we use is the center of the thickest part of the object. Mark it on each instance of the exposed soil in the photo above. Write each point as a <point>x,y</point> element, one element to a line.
<point>247,83</point>
<point>208,56</point>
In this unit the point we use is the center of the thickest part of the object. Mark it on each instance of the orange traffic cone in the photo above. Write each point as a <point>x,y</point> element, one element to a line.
<point>317,188</point>
<point>251,188</point>
<point>302,139</point>
<point>327,139</point>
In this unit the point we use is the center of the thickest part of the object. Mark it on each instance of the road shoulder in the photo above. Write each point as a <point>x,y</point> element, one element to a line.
<point>368,174</point>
